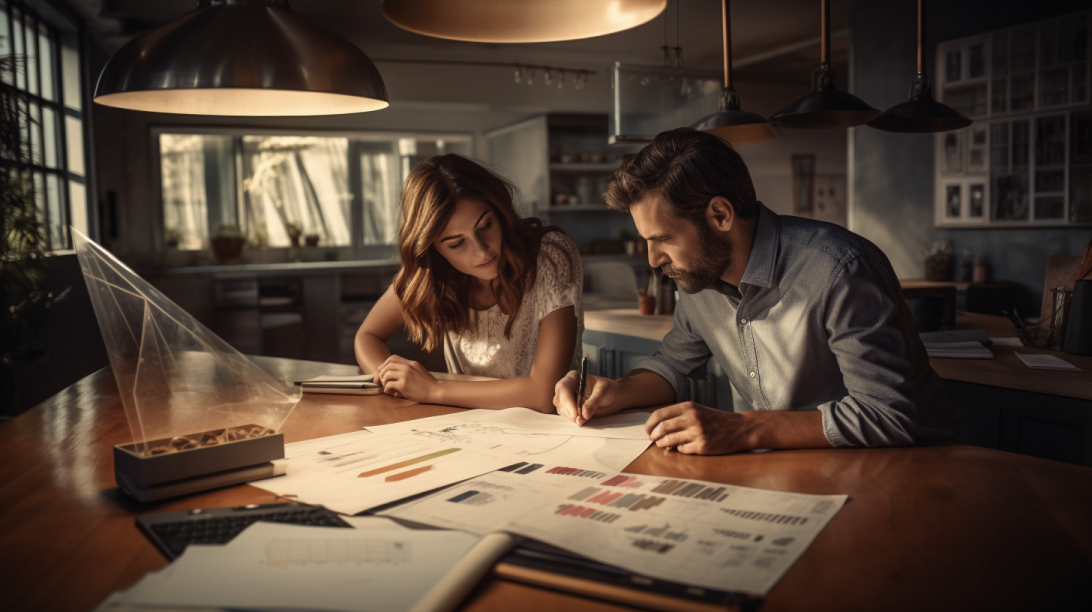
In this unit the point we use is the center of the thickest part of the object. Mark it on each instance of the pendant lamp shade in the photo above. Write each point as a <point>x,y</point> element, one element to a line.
<point>921,114</point>
<point>736,126</point>
<point>242,58</point>
<point>826,106</point>
<point>520,21</point>
<point>730,123</point>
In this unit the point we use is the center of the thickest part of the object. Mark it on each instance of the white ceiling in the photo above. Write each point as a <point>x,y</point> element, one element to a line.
<point>758,26</point>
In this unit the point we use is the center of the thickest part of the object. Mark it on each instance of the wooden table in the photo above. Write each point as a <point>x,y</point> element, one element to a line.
<point>937,528</point>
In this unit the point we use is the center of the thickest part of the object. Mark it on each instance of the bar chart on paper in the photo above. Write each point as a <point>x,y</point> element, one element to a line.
<point>351,473</point>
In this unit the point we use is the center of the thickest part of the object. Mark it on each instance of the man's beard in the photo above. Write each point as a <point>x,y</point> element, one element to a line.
<point>714,257</point>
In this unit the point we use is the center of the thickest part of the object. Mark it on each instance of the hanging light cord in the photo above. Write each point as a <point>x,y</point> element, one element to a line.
<point>727,44</point>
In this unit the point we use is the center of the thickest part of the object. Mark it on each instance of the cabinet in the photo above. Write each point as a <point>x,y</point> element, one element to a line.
<point>562,164</point>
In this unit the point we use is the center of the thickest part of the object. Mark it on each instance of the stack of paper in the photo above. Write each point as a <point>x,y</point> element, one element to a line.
<point>698,533</point>
<point>353,472</point>
<point>292,567</point>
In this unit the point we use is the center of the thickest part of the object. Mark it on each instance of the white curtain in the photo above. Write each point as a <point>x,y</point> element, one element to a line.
<point>185,206</point>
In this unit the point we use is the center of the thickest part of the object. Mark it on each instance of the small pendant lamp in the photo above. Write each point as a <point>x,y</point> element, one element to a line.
<point>921,114</point>
<point>520,21</point>
<point>242,58</point>
<point>737,126</point>
<point>826,106</point>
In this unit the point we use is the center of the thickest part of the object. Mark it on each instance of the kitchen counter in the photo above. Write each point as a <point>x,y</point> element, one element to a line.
<point>288,268</point>
<point>629,322</point>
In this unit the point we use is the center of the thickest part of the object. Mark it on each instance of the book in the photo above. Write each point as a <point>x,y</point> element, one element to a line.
<point>1046,362</point>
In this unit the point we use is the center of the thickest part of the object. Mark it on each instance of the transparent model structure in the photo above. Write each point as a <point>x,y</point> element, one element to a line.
<point>183,388</point>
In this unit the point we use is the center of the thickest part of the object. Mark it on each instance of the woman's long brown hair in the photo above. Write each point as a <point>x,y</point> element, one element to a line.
<point>435,296</point>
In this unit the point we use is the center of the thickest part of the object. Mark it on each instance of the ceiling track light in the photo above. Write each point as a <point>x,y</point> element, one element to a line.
<point>241,58</point>
<point>730,123</point>
<point>520,21</point>
<point>826,106</point>
<point>921,114</point>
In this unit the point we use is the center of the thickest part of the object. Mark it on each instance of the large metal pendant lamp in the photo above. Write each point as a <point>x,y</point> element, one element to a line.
<point>921,114</point>
<point>737,126</point>
<point>826,106</point>
<point>520,21</point>
<point>244,58</point>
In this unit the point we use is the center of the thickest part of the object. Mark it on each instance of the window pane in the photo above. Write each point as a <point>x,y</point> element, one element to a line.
<point>17,42</point>
<point>45,51</point>
<point>31,55</point>
<point>70,69</point>
<point>35,127</point>
<point>5,43</point>
<point>381,185</point>
<point>301,180</point>
<point>55,208</point>
<point>49,139</point>
<point>73,131</point>
<point>197,172</point>
<point>77,207</point>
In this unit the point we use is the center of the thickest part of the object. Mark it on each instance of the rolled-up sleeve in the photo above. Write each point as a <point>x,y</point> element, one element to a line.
<point>863,313</point>
<point>682,352</point>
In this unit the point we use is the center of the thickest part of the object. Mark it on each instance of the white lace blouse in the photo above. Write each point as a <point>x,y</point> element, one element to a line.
<point>482,350</point>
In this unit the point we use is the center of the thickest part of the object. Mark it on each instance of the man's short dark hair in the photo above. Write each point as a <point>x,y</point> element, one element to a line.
<point>688,168</point>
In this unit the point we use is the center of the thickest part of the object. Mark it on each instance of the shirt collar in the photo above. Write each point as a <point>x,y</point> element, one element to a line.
<point>760,265</point>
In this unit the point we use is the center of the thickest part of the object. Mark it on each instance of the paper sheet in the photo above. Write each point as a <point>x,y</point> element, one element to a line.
<point>626,426</point>
<point>699,533</point>
<point>274,566</point>
<point>350,473</point>
<point>353,472</point>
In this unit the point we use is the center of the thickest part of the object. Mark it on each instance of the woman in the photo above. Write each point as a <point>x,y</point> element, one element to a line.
<point>502,294</point>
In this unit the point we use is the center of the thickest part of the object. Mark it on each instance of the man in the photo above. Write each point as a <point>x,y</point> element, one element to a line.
<point>807,318</point>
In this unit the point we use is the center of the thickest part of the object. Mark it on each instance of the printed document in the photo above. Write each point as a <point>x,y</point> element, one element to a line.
<point>292,567</point>
<point>626,426</point>
<point>700,533</point>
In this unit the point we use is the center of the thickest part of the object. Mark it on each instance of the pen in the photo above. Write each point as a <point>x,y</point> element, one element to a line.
<point>583,382</point>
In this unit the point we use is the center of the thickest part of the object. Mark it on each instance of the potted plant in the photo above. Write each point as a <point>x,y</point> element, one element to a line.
<point>228,241</point>
<point>172,236</point>
<point>295,230</point>
<point>312,239</point>
<point>24,245</point>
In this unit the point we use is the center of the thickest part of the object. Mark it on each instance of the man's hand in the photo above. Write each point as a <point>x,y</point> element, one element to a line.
<point>407,379</point>
<point>599,397</point>
<point>696,430</point>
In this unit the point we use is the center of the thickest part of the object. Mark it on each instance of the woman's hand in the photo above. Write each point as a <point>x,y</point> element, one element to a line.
<point>407,379</point>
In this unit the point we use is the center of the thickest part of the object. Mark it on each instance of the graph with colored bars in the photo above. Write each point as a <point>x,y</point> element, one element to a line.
<point>285,553</point>
<point>612,499</point>
<point>622,480</point>
<point>769,517</point>
<point>407,463</point>
<point>663,531</point>
<point>522,468</point>
<point>577,511</point>
<point>681,488</point>
<point>568,471</point>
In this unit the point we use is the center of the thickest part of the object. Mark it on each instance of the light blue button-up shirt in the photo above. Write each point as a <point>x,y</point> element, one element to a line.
<point>818,322</point>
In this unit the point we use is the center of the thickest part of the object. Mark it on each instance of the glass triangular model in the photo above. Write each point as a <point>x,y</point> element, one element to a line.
<point>176,378</point>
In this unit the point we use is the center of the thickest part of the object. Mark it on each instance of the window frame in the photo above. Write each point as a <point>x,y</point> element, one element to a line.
<point>356,250</point>
<point>63,32</point>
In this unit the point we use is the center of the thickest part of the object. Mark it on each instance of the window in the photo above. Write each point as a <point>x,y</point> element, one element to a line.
<point>1025,161</point>
<point>341,190</point>
<point>45,82</point>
